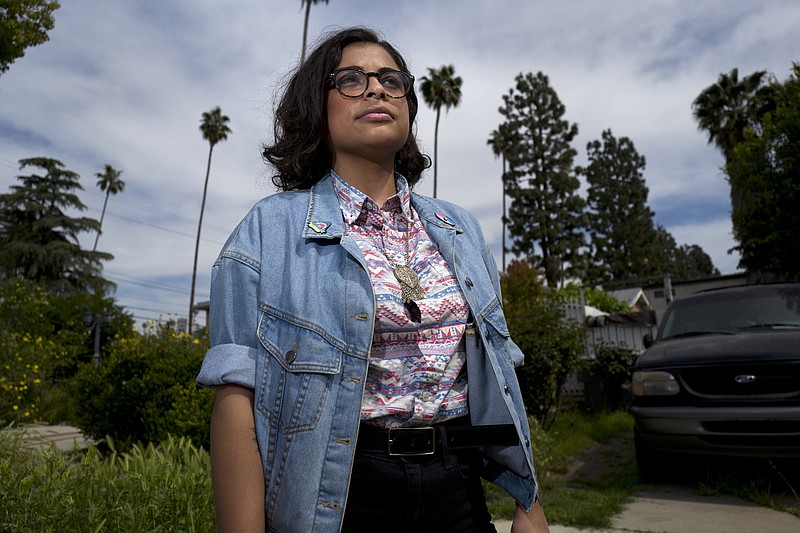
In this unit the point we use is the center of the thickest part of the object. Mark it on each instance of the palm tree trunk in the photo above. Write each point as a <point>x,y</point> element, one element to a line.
<point>102,216</point>
<point>197,242</point>
<point>436,149</point>
<point>305,31</point>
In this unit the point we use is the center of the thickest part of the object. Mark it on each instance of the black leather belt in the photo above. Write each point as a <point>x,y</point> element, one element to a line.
<point>429,439</point>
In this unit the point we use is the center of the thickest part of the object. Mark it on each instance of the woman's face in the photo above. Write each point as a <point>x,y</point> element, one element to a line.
<point>372,126</point>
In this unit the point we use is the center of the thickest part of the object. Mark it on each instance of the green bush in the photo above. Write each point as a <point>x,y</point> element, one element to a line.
<point>608,373</point>
<point>144,390</point>
<point>151,488</point>
<point>551,344</point>
<point>26,362</point>
<point>43,341</point>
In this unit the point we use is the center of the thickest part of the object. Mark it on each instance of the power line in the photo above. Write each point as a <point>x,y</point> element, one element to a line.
<point>160,311</point>
<point>151,286</point>
<point>155,226</point>
<point>145,282</point>
<point>152,209</point>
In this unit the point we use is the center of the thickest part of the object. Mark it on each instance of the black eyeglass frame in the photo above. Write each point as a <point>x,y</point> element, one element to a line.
<point>368,75</point>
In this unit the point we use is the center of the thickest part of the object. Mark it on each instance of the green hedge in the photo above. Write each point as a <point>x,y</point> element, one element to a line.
<point>144,390</point>
<point>44,339</point>
<point>551,344</point>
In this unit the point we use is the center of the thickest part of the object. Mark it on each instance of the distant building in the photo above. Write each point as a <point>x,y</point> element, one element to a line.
<point>635,298</point>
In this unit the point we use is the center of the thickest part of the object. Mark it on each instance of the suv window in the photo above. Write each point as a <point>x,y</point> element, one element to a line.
<point>761,307</point>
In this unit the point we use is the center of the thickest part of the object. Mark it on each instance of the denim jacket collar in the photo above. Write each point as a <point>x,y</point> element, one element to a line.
<point>324,215</point>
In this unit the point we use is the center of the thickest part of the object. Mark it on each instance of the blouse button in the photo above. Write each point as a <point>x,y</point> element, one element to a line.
<point>426,396</point>
<point>290,356</point>
<point>468,281</point>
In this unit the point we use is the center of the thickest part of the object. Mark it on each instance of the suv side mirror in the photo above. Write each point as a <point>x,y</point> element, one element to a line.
<point>647,340</point>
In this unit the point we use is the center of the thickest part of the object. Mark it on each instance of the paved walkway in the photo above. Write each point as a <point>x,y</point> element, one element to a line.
<point>663,509</point>
<point>66,438</point>
<point>673,509</point>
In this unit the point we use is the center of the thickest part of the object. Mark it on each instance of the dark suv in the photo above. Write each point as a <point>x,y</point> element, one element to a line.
<point>722,377</point>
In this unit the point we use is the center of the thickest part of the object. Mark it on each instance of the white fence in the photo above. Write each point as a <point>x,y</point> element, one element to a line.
<point>626,330</point>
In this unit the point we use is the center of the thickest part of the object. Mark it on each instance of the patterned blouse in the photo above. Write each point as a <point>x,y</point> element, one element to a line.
<point>416,373</point>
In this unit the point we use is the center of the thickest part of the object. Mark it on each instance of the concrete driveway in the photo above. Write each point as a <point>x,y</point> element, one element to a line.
<point>675,509</point>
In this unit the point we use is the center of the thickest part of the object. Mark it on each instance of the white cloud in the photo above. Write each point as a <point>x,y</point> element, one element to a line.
<point>125,83</point>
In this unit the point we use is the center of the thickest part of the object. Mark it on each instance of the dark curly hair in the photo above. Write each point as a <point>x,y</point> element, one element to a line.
<point>299,152</point>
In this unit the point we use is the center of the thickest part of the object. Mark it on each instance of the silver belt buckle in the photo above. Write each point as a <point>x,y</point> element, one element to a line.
<point>395,439</point>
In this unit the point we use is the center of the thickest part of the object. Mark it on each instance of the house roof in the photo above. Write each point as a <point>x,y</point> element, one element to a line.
<point>632,296</point>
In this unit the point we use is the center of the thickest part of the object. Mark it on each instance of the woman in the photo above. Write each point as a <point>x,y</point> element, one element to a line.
<point>362,362</point>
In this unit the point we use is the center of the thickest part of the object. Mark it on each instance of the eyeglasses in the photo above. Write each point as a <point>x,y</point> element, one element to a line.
<point>353,83</point>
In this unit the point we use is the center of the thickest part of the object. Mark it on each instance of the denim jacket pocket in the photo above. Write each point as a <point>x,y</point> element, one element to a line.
<point>299,368</point>
<point>497,333</point>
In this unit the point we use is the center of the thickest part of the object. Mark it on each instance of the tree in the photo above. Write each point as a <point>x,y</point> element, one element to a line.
<point>618,219</point>
<point>727,108</point>
<point>40,241</point>
<point>440,88</point>
<point>552,345</point>
<point>214,127</point>
<point>546,214</point>
<point>503,142</point>
<point>692,262</point>
<point>307,3</point>
<point>23,23</point>
<point>110,183</point>
<point>768,175</point>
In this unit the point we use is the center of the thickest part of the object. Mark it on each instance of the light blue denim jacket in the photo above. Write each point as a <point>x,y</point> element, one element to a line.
<point>292,317</point>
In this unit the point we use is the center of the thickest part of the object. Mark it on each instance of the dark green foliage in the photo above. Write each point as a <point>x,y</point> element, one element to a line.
<point>608,373</point>
<point>692,262</point>
<point>726,109</point>
<point>551,344</point>
<point>767,172</point>
<point>626,246</point>
<point>40,240</point>
<point>618,219</point>
<point>44,338</point>
<point>144,390</point>
<point>546,214</point>
<point>23,23</point>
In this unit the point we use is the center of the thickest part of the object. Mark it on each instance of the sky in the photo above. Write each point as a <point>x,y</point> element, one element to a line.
<point>125,83</point>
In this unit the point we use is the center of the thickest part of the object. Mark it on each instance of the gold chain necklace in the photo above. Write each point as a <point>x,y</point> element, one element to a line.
<point>410,287</point>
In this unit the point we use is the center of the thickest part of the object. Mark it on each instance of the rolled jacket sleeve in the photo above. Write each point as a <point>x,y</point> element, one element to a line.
<point>233,322</point>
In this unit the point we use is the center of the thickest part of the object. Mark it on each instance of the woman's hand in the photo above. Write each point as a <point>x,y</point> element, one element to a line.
<point>533,522</point>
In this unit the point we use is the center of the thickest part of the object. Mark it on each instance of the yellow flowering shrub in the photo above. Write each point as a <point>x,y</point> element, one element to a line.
<point>144,390</point>
<point>44,338</point>
<point>23,375</point>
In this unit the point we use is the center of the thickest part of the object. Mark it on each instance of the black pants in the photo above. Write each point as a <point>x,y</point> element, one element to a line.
<point>440,493</point>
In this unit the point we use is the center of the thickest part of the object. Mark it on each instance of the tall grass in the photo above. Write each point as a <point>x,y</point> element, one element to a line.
<point>151,488</point>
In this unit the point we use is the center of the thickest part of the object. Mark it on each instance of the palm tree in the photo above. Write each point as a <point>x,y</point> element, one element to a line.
<point>441,88</point>
<point>110,183</point>
<point>728,107</point>
<point>214,127</point>
<point>502,140</point>
<point>307,3</point>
